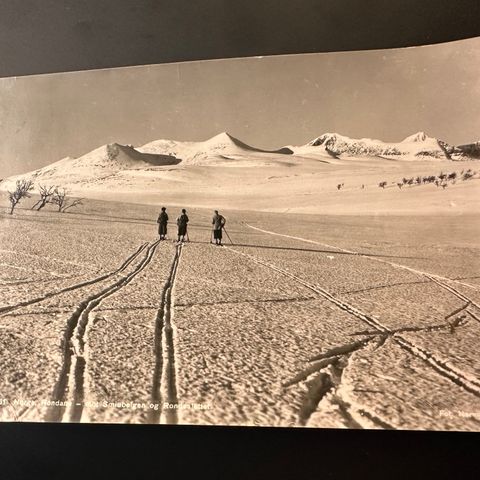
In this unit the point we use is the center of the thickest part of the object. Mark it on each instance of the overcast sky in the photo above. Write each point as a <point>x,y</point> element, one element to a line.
<point>266,102</point>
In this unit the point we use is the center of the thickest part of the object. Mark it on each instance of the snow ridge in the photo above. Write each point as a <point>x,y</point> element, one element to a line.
<point>414,146</point>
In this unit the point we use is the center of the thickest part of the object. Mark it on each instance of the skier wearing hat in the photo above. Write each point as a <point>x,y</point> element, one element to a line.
<point>218,222</point>
<point>162,221</point>
<point>182,222</point>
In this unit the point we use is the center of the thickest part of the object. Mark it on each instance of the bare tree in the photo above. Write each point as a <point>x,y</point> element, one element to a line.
<point>61,199</point>
<point>22,190</point>
<point>77,201</point>
<point>45,196</point>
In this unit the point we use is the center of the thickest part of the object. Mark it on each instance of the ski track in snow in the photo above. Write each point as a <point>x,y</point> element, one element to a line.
<point>324,383</point>
<point>71,382</point>
<point>123,266</point>
<point>431,276</point>
<point>164,388</point>
<point>326,368</point>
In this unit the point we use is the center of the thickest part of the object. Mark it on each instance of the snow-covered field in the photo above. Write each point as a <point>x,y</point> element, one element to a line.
<point>306,320</point>
<point>333,174</point>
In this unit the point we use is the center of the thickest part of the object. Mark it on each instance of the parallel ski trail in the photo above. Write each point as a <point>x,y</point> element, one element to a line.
<point>442,282</point>
<point>121,268</point>
<point>164,385</point>
<point>381,260</point>
<point>327,384</point>
<point>463,379</point>
<point>455,292</point>
<point>71,383</point>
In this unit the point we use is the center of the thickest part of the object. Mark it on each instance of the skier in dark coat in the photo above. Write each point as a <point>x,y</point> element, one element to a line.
<point>182,222</point>
<point>162,221</point>
<point>218,222</point>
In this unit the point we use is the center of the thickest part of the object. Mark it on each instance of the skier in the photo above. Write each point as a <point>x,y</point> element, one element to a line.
<point>182,221</point>
<point>162,221</point>
<point>218,222</point>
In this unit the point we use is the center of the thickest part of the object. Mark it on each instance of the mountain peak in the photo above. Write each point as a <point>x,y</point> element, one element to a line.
<point>329,137</point>
<point>223,137</point>
<point>418,145</point>
<point>416,137</point>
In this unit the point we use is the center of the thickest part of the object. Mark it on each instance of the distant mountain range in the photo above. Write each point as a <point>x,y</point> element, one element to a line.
<point>109,160</point>
<point>418,145</point>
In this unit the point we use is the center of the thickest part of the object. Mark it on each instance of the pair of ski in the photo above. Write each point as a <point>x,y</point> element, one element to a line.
<point>177,242</point>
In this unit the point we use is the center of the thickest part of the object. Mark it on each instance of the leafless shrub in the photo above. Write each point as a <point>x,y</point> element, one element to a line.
<point>22,190</point>
<point>46,194</point>
<point>468,174</point>
<point>61,199</point>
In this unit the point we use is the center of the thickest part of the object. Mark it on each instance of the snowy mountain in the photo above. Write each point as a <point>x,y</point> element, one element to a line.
<point>416,137</point>
<point>464,152</point>
<point>112,162</point>
<point>100,163</point>
<point>199,153</point>
<point>418,145</point>
<point>114,167</point>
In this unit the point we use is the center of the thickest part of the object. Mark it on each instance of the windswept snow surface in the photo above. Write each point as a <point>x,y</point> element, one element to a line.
<point>300,183</point>
<point>306,320</point>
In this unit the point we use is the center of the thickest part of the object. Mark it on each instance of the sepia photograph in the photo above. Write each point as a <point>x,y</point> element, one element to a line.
<point>269,241</point>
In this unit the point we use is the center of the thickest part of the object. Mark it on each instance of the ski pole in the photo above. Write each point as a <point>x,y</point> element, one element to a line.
<point>228,236</point>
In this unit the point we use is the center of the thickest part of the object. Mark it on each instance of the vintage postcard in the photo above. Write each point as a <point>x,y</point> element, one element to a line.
<point>270,241</point>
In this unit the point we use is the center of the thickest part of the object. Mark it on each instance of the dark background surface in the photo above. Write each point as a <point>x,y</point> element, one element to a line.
<point>56,451</point>
<point>41,36</point>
